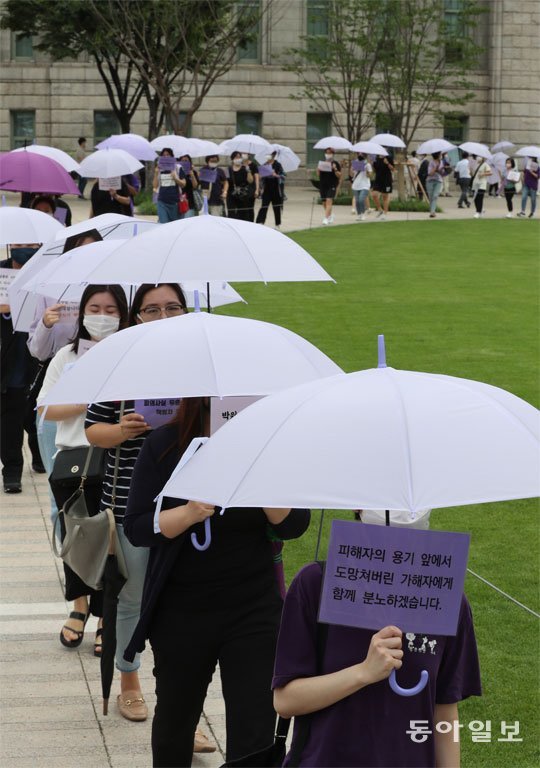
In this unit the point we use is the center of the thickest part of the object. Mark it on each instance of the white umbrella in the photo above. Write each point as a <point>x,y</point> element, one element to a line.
<point>529,151</point>
<point>502,145</point>
<point>192,355</point>
<point>397,440</point>
<point>108,163</point>
<point>369,148</point>
<point>204,248</point>
<point>137,146</point>
<point>288,159</point>
<point>388,140</point>
<point>61,157</point>
<point>110,226</point>
<point>337,143</point>
<point>475,148</point>
<point>243,142</point>
<point>181,145</point>
<point>24,225</point>
<point>435,145</point>
<point>499,160</point>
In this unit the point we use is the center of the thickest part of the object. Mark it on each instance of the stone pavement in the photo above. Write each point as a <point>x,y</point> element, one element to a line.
<point>50,697</point>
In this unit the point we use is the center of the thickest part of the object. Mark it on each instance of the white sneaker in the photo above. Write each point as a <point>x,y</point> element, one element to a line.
<point>381,217</point>
<point>522,213</point>
<point>477,215</point>
<point>331,219</point>
<point>362,217</point>
<point>325,221</point>
<point>353,212</point>
<point>509,215</point>
<point>368,211</point>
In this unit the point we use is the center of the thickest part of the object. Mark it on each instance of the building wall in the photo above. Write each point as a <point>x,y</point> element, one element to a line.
<point>65,94</point>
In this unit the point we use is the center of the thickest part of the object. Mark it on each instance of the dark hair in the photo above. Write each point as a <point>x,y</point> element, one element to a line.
<point>464,155</point>
<point>413,153</point>
<point>236,154</point>
<point>190,418</point>
<point>188,157</point>
<point>74,241</point>
<point>166,149</point>
<point>43,199</point>
<point>81,140</point>
<point>435,155</point>
<point>209,157</point>
<point>511,159</point>
<point>143,290</point>
<point>119,296</point>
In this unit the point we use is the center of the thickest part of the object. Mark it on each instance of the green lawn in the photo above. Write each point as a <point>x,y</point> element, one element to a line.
<point>461,298</point>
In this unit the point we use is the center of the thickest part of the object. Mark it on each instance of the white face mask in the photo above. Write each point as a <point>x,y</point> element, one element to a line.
<point>101,326</point>
<point>237,161</point>
<point>329,156</point>
<point>244,156</point>
<point>212,165</point>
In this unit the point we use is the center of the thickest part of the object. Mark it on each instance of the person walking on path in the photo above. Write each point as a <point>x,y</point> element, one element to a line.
<point>479,186</point>
<point>530,186</point>
<point>463,171</point>
<point>329,181</point>
<point>510,177</point>
<point>382,186</point>
<point>434,182</point>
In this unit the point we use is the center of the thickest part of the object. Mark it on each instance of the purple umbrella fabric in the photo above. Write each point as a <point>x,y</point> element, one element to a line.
<point>30,172</point>
<point>136,145</point>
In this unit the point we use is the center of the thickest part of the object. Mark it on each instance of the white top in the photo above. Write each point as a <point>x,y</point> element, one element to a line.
<point>463,169</point>
<point>69,432</point>
<point>480,181</point>
<point>361,180</point>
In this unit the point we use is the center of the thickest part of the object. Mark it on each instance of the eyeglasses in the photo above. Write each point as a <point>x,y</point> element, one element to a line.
<point>154,313</point>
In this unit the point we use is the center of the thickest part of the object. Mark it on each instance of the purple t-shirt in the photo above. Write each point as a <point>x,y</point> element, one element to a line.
<point>353,731</point>
<point>528,178</point>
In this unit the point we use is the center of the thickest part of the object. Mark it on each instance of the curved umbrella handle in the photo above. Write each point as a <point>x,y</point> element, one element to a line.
<point>420,685</point>
<point>207,537</point>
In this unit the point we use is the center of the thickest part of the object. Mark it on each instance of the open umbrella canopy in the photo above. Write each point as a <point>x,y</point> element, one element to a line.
<point>435,145</point>
<point>135,145</point>
<point>181,145</point>
<point>61,157</point>
<point>111,226</point>
<point>498,160</point>
<point>398,440</point>
<point>204,248</point>
<point>31,172</point>
<point>284,155</point>
<point>192,355</point>
<point>475,148</point>
<point>337,143</point>
<point>243,142</point>
<point>502,145</point>
<point>108,163</point>
<point>24,225</point>
<point>530,151</point>
<point>388,140</point>
<point>369,148</point>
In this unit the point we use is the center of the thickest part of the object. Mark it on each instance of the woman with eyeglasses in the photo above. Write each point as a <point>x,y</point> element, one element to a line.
<point>107,428</point>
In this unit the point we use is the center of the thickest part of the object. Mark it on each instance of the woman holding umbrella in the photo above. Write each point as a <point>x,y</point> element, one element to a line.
<point>334,678</point>
<point>201,607</point>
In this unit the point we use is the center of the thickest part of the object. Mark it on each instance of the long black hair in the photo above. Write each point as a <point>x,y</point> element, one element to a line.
<point>119,296</point>
<point>143,289</point>
<point>74,241</point>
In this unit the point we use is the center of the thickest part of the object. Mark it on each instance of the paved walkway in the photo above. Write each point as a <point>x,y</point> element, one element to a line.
<point>50,697</point>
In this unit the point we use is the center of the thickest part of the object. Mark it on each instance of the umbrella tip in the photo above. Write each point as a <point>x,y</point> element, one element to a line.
<point>4,201</point>
<point>134,230</point>
<point>197,301</point>
<point>381,363</point>
<point>105,706</point>
<point>205,204</point>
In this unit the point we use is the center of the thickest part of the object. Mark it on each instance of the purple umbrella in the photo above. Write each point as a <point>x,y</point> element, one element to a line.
<point>30,172</point>
<point>136,145</point>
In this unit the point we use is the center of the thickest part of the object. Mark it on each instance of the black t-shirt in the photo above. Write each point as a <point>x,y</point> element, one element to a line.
<point>329,179</point>
<point>216,186</point>
<point>102,202</point>
<point>383,175</point>
<point>238,179</point>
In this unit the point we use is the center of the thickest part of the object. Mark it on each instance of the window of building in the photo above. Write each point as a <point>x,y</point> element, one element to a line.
<point>454,29</point>
<point>385,123</point>
<point>249,122</point>
<point>455,130</point>
<point>317,25</point>
<point>23,127</point>
<point>181,117</point>
<point>105,124</point>
<point>22,46</point>
<point>251,50</point>
<point>317,126</point>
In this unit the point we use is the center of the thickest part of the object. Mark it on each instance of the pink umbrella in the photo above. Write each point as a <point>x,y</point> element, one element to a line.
<point>30,172</point>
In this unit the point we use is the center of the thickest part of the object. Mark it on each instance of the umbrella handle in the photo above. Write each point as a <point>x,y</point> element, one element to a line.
<point>420,685</point>
<point>207,537</point>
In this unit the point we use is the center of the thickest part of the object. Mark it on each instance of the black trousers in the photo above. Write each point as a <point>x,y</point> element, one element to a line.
<point>243,209</point>
<point>186,647</point>
<point>479,200</point>
<point>508,197</point>
<point>74,585</point>
<point>272,195</point>
<point>16,416</point>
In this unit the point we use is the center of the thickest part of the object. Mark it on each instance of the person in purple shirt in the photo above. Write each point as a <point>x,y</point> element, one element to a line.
<point>530,186</point>
<point>353,711</point>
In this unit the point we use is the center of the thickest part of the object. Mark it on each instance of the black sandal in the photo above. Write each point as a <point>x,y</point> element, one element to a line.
<point>78,616</point>
<point>98,646</point>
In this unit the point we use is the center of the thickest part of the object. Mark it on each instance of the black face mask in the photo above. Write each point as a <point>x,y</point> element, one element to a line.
<point>22,255</point>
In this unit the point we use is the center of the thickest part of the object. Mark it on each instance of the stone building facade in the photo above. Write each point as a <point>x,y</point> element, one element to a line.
<point>55,103</point>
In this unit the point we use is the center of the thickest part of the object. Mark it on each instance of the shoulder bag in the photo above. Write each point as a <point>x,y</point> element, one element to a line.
<point>70,466</point>
<point>89,539</point>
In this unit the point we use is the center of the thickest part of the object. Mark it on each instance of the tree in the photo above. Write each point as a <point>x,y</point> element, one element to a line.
<point>336,64</point>
<point>69,28</point>
<point>428,61</point>
<point>180,48</point>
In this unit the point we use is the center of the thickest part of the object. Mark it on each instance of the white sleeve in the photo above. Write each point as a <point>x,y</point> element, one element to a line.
<point>54,371</point>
